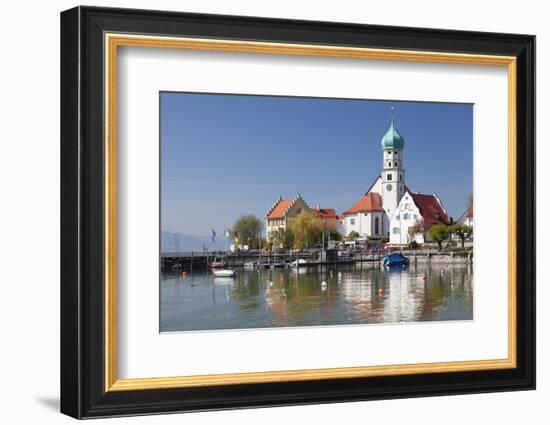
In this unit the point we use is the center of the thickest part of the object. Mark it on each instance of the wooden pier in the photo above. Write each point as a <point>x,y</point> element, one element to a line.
<point>203,259</point>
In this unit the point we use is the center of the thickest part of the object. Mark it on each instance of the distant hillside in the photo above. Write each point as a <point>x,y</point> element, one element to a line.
<point>169,242</point>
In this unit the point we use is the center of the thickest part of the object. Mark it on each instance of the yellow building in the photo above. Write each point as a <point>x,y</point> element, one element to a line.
<point>284,209</point>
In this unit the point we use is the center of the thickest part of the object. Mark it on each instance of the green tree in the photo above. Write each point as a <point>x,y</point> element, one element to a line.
<point>462,231</point>
<point>246,231</point>
<point>306,229</point>
<point>438,233</point>
<point>352,235</point>
<point>335,235</point>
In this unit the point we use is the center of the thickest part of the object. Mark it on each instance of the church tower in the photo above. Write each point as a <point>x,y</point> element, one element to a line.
<point>393,174</point>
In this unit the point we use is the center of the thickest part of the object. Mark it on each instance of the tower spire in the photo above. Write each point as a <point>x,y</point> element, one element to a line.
<point>393,181</point>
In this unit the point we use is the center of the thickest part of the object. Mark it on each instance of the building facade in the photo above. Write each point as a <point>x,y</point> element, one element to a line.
<point>415,214</point>
<point>278,216</point>
<point>367,217</point>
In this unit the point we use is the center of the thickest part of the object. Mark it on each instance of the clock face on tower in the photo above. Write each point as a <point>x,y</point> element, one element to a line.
<point>389,187</point>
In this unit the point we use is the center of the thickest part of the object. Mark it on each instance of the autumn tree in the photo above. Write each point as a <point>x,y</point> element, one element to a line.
<point>416,229</point>
<point>282,237</point>
<point>306,229</point>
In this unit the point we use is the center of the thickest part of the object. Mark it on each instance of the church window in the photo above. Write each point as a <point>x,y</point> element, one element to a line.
<point>376,225</point>
<point>389,176</point>
<point>352,221</point>
<point>400,177</point>
<point>397,164</point>
<point>389,163</point>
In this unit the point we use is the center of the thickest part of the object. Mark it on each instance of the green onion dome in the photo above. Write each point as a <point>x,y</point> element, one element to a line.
<point>392,139</point>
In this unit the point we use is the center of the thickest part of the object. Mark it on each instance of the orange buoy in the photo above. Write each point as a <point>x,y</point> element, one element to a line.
<point>184,274</point>
<point>381,292</point>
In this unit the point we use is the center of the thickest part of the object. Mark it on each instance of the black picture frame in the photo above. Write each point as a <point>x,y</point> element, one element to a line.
<point>83,392</point>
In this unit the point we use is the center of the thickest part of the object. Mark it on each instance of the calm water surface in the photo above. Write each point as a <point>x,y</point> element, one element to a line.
<point>289,297</point>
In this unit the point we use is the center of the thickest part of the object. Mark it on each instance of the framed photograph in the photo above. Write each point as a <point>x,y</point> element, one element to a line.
<point>261,212</point>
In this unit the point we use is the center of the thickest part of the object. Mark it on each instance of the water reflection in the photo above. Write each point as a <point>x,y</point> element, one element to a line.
<point>316,296</point>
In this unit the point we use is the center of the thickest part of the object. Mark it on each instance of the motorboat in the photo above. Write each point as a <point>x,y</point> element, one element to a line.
<point>223,272</point>
<point>299,262</point>
<point>396,260</point>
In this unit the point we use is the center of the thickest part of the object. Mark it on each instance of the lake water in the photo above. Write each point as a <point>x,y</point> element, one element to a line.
<point>290,297</point>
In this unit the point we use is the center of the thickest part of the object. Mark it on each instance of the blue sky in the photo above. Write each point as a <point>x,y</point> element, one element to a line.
<point>223,156</point>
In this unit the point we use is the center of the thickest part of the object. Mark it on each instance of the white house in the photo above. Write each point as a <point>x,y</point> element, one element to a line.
<point>415,214</point>
<point>367,217</point>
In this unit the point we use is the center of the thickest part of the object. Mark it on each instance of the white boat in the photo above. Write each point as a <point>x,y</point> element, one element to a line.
<point>223,272</point>
<point>298,262</point>
<point>224,281</point>
<point>250,265</point>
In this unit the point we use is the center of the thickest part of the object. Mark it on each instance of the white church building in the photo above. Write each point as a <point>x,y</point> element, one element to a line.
<point>389,208</point>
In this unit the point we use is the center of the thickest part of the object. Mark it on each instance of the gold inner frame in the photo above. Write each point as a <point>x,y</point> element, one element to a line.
<point>113,41</point>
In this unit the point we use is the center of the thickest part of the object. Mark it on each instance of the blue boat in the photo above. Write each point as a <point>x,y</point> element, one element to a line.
<point>396,260</point>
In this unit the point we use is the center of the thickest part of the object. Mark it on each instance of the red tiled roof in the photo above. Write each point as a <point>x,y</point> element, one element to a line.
<point>372,201</point>
<point>430,209</point>
<point>341,217</point>
<point>324,213</point>
<point>279,209</point>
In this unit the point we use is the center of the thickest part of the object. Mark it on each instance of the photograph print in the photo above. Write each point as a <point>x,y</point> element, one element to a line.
<point>279,211</point>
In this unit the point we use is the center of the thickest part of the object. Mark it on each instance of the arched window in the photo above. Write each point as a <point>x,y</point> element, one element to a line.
<point>376,226</point>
